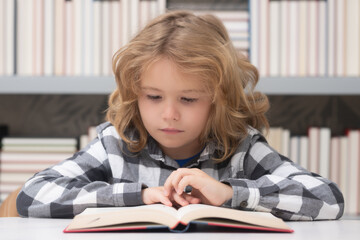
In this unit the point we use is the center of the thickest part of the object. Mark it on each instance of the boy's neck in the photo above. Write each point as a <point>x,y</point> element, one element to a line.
<point>183,153</point>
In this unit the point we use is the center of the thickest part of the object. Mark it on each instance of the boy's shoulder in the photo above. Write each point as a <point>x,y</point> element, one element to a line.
<point>253,132</point>
<point>253,136</point>
<point>107,129</point>
<point>101,127</point>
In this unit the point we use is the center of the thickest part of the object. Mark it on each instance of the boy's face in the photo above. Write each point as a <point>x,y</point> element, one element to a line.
<point>174,108</point>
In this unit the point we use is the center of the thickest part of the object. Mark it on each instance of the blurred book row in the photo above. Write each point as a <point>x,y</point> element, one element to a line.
<point>334,157</point>
<point>79,37</point>
<point>305,38</point>
<point>21,158</point>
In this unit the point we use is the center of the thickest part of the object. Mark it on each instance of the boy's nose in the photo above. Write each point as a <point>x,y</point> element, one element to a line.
<point>171,113</point>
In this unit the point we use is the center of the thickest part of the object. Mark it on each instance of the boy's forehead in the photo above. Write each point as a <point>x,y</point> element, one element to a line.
<point>165,72</point>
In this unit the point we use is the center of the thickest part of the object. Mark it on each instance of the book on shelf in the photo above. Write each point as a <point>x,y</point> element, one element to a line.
<point>324,152</point>
<point>314,138</point>
<point>295,149</point>
<point>304,151</point>
<point>352,40</point>
<point>7,32</point>
<point>158,216</point>
<point>353,172</point>
<point>344,169</point>
<point>48,38</point>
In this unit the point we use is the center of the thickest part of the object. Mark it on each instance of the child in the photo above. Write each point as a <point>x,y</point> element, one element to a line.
<point>183,128</point>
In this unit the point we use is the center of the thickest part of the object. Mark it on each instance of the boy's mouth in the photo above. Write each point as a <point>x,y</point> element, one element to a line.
<point>171,130</point>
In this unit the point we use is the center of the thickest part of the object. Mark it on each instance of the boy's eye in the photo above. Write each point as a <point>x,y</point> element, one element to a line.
<point>153,97</point>
<point>189,100</point>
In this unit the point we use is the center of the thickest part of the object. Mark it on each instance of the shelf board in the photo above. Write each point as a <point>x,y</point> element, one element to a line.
<point>57,85</point>
<point>106,84</point>
<point>309,85</point>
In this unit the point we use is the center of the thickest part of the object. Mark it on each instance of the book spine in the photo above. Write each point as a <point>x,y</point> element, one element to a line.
<point>331,38</point>
<point>352,38</point>
<point>254,32</point>
<point>324,152</point>
<point>353,172</point>
<point>2,39</point>
<point>304,151</point>
<point>87,39</point>
<point>284,34</point>
<point>335,159</point>
<point>97,37</point>
<point>49,26</point>
<point>10,38</point>
<point>295,151</point>
<point>321,39</point>
<point>264,38</point>
<point>303,43</point>
<point>69,38</point>
<point>106,39</point>
<point>314,149</point>
<point>78,12</point>
<point>59,39</point>
<point>293,38</point>
<point>312,38</point>
<point>116,30</point>
<point>274,19</point>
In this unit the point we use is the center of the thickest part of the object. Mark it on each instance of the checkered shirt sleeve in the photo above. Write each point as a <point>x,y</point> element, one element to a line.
<point>273,183</point>
<point>85,180</point>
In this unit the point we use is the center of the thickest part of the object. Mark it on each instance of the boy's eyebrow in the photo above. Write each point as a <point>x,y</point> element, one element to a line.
<point>150,88</point>
<point>184,91</point>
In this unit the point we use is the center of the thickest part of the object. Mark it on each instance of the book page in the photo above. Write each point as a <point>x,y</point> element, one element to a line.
<point>199,211</point>
<point>100,217</point>
<point>155,207</point>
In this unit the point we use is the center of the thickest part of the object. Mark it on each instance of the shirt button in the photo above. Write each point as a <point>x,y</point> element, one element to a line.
<point>243,204</point>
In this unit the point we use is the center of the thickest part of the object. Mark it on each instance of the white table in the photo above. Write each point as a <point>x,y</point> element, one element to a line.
<point>51,229</point>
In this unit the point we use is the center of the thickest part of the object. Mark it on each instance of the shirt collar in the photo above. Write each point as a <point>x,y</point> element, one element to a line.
<point>154,151</point>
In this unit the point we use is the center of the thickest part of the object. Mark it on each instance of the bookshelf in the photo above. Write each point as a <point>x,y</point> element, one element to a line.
<point>106,84</point>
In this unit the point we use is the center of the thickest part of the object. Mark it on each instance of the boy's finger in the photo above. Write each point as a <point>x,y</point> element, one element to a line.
<point>191,199</point>
<point>166,201</point>
<point>180,199</point>
<point>172,181</point>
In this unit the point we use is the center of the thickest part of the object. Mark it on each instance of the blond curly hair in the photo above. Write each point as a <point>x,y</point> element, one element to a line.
<point>198,45</point>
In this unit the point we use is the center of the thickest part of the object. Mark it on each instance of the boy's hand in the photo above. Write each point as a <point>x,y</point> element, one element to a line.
<point>156,195</point>
<point>205,188</point>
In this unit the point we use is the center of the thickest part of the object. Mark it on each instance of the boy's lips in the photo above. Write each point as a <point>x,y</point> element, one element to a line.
<point>171,130</point>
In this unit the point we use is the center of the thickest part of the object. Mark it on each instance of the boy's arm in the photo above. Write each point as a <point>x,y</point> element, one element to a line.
<point>275,184</point>
<point>66,189</point>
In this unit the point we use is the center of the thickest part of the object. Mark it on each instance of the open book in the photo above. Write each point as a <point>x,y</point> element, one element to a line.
<point>158,216</point>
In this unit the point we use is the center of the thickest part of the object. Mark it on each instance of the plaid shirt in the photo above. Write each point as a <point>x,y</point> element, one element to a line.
<point>105,173</point>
